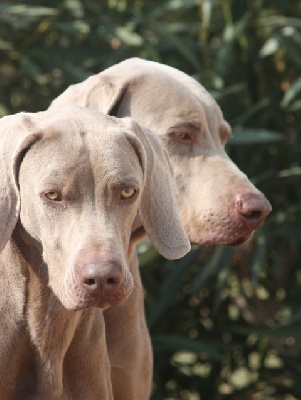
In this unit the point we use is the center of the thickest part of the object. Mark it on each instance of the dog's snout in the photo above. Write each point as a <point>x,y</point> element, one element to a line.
<point>97,277</point>
<point>96,280</point>
<point>253,208</point>
<point>101,280</point>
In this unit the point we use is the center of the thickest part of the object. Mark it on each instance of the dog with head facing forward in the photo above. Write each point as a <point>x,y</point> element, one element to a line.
<point>72,184</point>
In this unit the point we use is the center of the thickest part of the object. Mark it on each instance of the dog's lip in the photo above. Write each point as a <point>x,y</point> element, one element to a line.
<point>99,302</point>
<point>232,243</point>
<point>89,303</point>
<point>241,240</point>
<point>81,299</point>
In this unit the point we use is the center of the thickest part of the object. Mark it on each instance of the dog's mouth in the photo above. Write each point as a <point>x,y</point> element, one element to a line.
<point>238,240</point>
<point>82,295</point>
<point>102,299</point>
<point>96,302</point>
<point>241,240</point>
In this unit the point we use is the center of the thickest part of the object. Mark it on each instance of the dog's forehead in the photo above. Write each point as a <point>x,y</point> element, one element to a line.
<point>80,126</point>
<point>76,119</point>
<point>171,104</point>
<point>96,143</point>
<point>178,93</point>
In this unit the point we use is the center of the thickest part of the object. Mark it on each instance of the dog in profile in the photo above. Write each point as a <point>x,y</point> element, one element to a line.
<point>217,202</point>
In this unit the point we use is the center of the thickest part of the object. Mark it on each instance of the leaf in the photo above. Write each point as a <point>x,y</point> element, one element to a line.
<point>252,111</point>
<point>178,43</point>
<point>295,106</point>
<point>74,27</point>
<point>270,47</point>
<point>32,11</point>
<point>170,287</point>
<point>3,110</point>
<point>236,88</point>
<point>258,257</point>
<point>220,258</point>
<point>171,6</point>
<point>230,35</point>
<point>206,12</point>
<point>21,16</point>
<point>128,37</point>
<point>4,45</point>
<point>176,343</point>
<point>254,136</point>
<point>78,74</point>
<point>277,332</point>
<point>32,69</point>
<point>291,93</point>
<point>147,255</point>
<point>292,48</point>
<point>293,171</point>
<point>75,7</point>
<point>279,21</point>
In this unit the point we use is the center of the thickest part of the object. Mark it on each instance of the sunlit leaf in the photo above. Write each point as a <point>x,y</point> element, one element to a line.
<point>176,343</point>
<point>270,47</point>
<point>171,6</point>
<point>291,93</point>
<point>289,172</point>
<point>127,36</point>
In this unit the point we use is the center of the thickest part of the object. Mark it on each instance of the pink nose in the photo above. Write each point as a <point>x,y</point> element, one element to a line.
<point>253,208</point>
<point>100,279</point>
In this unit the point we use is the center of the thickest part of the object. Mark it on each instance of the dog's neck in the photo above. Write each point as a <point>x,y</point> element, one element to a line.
<point>50,327</point>
<point>56,336</point>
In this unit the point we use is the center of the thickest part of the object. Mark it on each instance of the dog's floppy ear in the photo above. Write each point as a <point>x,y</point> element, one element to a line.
<point>100,92</point>
<point>16,136</point>
<point>158,209</point>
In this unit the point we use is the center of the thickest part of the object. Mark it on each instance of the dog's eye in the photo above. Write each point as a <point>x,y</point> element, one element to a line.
<point>127,192</point>
<point>184,137</point>
<point>53,195</point>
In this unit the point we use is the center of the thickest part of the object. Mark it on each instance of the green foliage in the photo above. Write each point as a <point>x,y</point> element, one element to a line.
<point>225,322</point>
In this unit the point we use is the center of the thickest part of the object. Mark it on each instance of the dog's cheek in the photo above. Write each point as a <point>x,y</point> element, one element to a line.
<point>123,223</point>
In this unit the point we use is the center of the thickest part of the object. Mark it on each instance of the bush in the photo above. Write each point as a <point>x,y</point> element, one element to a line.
<point>225,323</point>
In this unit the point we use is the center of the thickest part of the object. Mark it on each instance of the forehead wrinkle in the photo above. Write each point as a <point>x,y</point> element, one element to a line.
<point>62,164</point>
<point>85,153</point>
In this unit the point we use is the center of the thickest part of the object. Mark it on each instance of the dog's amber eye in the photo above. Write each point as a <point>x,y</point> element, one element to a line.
<point>127,192</point>
<point>184,137</point>
<point>53,195</point>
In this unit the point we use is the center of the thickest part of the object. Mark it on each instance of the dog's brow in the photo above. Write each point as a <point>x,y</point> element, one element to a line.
<point>186,125</point>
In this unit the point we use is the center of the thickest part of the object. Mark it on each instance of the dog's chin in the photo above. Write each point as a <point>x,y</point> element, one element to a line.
<point>220,239</point>
<point>240,241</point>
<point>85,305</point>
<point>95,302</point>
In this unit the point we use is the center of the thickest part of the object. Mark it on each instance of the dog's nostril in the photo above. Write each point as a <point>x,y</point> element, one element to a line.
<point>253,215</point>
<point>100,279</point>
<point>112,281</point>
<point>90,282</point>
<point>252,207</point>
